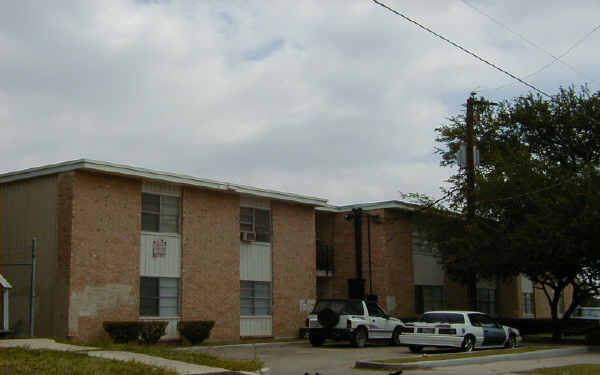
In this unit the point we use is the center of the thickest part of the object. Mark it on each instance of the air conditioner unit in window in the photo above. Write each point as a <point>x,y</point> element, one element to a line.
<point>247,236</point>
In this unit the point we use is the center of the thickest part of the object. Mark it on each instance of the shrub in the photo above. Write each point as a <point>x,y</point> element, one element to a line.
<point>544,325</point>
<point>592,337</point>
<point>195,331</point>
<point>151,331</point>
<point>122,332</point>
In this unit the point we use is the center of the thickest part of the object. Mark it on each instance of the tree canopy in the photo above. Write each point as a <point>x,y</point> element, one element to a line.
<point>537,196</point>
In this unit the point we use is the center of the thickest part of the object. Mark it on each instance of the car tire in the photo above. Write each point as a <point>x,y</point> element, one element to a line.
<point>395,340</point>
<point>359,337</point>
<point>316,340</point>
<point>415,348</point>
<point>468,344</point>
<point>511,342</point>
<point>328,318</point>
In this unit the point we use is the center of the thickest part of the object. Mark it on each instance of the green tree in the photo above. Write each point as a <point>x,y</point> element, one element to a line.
<point>537,196</point>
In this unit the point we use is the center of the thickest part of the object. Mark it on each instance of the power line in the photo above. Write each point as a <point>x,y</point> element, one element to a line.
<point>575,45</point>
<point>528,41</point>
<point>459,47</point>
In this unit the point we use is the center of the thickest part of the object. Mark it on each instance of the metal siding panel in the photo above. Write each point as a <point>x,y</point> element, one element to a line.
<point>256,326</point>
<point>161,188</point>
<point>526,285</point>
<point>30,210</point>
<point>255,261</point>
<point>167,266</point>
<point>427,270</point>
<point>246,201</point>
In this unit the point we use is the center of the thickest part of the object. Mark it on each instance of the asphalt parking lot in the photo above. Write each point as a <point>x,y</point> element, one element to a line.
<point>330,359</point>
<point>338,359</point>
<point>300,358</point>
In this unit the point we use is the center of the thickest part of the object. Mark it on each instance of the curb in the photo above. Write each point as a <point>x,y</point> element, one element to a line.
<point>240,346</point>
<point>473,360</point>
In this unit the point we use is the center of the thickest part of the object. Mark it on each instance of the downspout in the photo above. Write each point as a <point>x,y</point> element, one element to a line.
<point>357,213</point>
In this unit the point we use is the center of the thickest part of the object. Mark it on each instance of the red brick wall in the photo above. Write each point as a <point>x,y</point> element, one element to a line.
<point>294,265</point>
<point>211,260</point>
<point>391,259</point>
<point>397,242</point>
<point>105,251</point>
<point>64,229</point>
<point>345,263</point>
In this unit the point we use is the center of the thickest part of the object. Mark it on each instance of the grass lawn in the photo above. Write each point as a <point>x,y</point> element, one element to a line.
<point>546,338</point>
<point>479,353</point>
<point>166,351</point>
<point>19,361</point>
<point>566,370</point>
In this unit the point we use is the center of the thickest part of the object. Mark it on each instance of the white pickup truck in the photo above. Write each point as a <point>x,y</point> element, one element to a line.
<point>354,320</point>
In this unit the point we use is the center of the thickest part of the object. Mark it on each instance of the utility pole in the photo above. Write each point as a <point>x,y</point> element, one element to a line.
<point>470,167</point>
<point>470,191</point>
<point>470,172</point>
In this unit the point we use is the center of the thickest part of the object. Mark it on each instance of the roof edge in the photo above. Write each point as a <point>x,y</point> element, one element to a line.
<point>369,206</point>
<point>125,170</point>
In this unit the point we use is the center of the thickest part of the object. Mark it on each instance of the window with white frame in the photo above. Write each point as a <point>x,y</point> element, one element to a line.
<point>257,221</point>
<point>428,298</point>
<point>529,303</point>
<point>255,298</point>
<point>159,296</point>
<point>160,213</point>
<point>486,300</point>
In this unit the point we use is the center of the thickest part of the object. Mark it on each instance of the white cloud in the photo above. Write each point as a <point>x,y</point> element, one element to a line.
<point>337,99</point>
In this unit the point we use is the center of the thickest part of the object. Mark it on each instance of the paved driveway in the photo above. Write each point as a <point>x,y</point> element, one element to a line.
<point>330,359</point>
<point>339,359</point>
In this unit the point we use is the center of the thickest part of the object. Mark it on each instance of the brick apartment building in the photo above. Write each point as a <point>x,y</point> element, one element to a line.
<point>122,243</point>
<point>400,267</point>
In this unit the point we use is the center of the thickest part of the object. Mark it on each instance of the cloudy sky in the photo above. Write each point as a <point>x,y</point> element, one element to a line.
<point>335,99</point>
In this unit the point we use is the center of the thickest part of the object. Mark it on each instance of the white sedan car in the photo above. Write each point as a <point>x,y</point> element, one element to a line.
<point>466,330</point>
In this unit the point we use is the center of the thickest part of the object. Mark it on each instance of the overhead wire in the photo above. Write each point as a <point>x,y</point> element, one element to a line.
<point>465,50</point>
<point>530,42</point>
<point>481,58</point>
<point>544,67</point>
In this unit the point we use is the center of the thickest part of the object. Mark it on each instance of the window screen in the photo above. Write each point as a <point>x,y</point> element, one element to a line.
<point>486,300</point>
<point>255,298</point>
<point>429,298</point>
<point>256,221</point>
<point>160,213</point>
<point>529,303</point>
<point>159,296</point>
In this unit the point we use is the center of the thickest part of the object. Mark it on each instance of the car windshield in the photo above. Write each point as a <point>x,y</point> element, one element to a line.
<point>340,306</point>
<point>449,318</point>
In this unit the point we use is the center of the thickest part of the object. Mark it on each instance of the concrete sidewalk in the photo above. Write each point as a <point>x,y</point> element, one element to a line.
<point>177,366</point>
<point>43,344</point>
<point>541,354</point>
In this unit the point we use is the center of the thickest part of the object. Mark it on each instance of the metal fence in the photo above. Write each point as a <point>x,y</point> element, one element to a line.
<point>18,265</point>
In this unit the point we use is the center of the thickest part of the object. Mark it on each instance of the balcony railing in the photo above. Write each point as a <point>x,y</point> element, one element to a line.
<point>325,259</point>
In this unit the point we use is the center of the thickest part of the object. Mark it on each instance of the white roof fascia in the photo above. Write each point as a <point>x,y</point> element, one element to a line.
<point>125,170</point>
<point>369,206</point>
<point>5,284</point>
